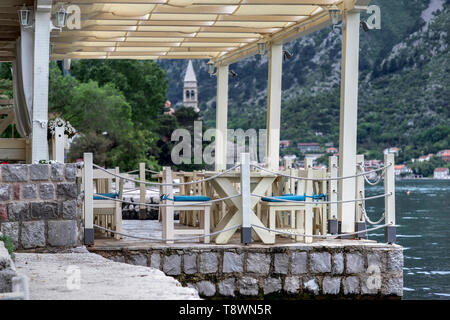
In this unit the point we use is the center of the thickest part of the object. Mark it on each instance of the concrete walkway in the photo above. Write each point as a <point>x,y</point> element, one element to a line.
<point>52,275</point>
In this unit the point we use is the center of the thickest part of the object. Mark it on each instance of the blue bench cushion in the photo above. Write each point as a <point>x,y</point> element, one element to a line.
<point>111,195</point>
<point>191,198</point>
<point>284,197</point>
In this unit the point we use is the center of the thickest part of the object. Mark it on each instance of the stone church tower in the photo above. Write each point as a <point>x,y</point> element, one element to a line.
<point>190,93</point>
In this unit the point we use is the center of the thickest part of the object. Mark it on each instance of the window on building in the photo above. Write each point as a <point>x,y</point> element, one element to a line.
<point>192,94</point>
<point>188,94</point>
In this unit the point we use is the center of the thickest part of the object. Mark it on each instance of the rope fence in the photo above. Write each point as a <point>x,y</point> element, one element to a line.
<point>162,240</point>
<point>324,202</point>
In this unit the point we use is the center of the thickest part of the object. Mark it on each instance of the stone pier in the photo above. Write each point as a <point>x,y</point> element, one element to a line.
<point>326,269</point>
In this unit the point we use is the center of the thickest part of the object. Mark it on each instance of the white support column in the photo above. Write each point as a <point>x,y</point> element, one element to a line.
<point>348,118</point>
<point>274,106</point>
<point>39,145</point>
<point>246,230</point>
<point>58,148</point>
<point>142,191</point>
<point>88,199</point>
<point>332,195</point>
<point>389,201</point>
<point>221,118</point>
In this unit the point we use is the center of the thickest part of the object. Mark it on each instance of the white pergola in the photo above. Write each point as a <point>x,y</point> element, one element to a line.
<point>221,31</point>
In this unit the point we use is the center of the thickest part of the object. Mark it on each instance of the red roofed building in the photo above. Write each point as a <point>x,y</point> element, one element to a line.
<point>284,144</point>
<point>332,150</point>
<point>308,147</point>
<point>401,168</point>
<point>445,155</point>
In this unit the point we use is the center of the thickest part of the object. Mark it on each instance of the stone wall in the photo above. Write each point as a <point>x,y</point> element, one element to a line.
<point>38,205</point>
<point>291,271</point>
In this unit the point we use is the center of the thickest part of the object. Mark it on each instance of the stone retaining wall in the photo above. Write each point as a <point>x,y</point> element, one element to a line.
<point>38,205</point>
<point>297,272</point>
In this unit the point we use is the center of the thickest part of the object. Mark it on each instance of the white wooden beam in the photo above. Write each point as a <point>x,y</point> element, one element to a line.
<point>221,118</point>
<point>274,106</point>
<point>39,147</point>
<point>348,118</point>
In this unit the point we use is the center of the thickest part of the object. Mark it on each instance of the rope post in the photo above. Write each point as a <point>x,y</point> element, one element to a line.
<point>88,199</point>
<point>142,209</point>
<point>309,215</point>
<point>389,200</point>
<point>167,211</point>
<point>58,146</point>
<point>332,195</point>
<point>246,231</point>
<point>360,224</point>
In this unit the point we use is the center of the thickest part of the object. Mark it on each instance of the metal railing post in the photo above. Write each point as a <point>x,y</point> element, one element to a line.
<point>142,209</point>
<point>389,200</point>
<point>246,231</point>
<point>332,196</point>
<point>88,199</point>
<point>360,224</point>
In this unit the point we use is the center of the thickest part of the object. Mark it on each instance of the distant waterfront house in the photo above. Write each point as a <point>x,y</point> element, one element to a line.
<point>332,150</point>
<point>401,168</point>
<point>425,158</point>
<point>308,147</point>
<point>393,150</point>
<point>441,173</point>
<point>284,144</point>
<point>444,154</point>
<point>372,163</point>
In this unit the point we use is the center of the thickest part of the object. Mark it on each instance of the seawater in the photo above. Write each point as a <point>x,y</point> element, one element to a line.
<point>423,220</point>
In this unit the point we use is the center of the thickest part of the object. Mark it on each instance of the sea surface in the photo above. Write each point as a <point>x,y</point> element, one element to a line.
<point>423,219</point>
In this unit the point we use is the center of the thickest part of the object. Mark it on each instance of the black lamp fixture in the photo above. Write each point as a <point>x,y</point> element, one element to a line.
<point>232,73</point>
<point>261,48</point>
<point>286,55</point>
<point>334,14</point>
<point>61,17</point>
<point>25,16</point>
<point>211,67</point>
<point>365,26</point>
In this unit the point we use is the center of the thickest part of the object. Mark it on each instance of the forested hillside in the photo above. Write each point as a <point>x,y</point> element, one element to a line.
<point>403,92</point>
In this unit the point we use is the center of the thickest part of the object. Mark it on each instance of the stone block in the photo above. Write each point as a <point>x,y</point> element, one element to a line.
<point>374,261</point>
<point>311,286</point>
<point>172,265</point>
<point>16,192</point>
<point>3,212</point>
<point>298,262</point>
<point>272,285</point>
<point>71,171</point>
<point>69,209</point>
<point>62,233</point>
<point>18,211</point>
<point>117,259</point>
<point>395,260</point>
<point>232,262</point>
<point>258,263</point>
<point>190,263</point>
<point>248,286</point>
<point>155,261</point>
<point>392,286</point>
<point>370,284</point>
<point>227,287</point>
<point>57,172</point>
<point>29,191</point>
<point>291,285</point>
<point>320,262</point>
<point>14,172</point>
<point>281,263</point>
<point>338,263</point>
<point>206,288</point>
<point>33,234</point>
<point>5,192</point>
<point>39,172</point>
<point>137,259</point>
<point>11,229</point>
<point>355,263</point>
<point>6,276</point>
<point>331,285</point>
<point>66,190</point>
<point>47,191</point>
<point>351,285</point>
<point>208,262</point>
<point>44,210</point>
